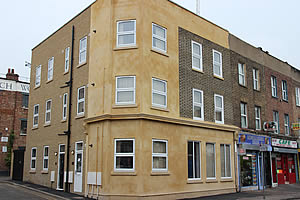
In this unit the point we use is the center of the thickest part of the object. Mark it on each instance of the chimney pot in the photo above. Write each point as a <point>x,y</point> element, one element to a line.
<point>9,70</point>
<point>12,71</point>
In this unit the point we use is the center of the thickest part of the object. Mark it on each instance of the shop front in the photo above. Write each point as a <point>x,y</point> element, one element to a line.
<point>284,162</point>
<point>254,161</point>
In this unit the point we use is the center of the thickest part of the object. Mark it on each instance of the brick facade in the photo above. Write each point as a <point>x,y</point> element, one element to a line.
<point>205,81</point>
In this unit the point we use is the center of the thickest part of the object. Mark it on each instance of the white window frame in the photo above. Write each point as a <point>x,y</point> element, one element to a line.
<point>80,101</point>
<point>165,155</point>
<point>159,38</point>
<point>197,56</point>
<point>65,106</point>
<point>67,59</point>
<point>219,64</point>
<point>297,95</point>
<point>45,158</point>
<point>82,50</point>
<point>201,105</point>
<point>274,86</point>
<point>211,178</point>
<point>286,124</point>
<point>48,111</point>
<point>194,160</point>
<point>276,119</point>
<point>33,158</point>
<point>225,160</point>
<point>284,90</point>
<point>160,93</point>
<point>242,74</point>
<point>125,90</point>
<point>219,109</point>
<point>126,33</point>
<point>77,151</point>
<point>124,155</point>
<point>38,73</point>
<point>4,149</point>
<point>36,115</point>
<point>256,85</point>
<point>257,109</point>
<point>50,69</point>
<point>244,114</point>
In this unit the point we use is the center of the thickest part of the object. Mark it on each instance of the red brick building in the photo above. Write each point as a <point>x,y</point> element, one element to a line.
<point>13,115</point>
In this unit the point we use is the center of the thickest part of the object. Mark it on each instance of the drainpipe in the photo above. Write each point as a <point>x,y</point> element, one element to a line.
<point>68,132</point>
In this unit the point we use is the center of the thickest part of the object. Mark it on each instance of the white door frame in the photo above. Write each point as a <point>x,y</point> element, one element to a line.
<point>58,165</point>
<point>78,174</point>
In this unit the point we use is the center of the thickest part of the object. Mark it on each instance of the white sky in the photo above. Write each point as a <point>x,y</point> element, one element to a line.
<point>270,24</point>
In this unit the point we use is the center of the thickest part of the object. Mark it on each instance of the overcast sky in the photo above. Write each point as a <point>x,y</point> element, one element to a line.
<point>270,24</point>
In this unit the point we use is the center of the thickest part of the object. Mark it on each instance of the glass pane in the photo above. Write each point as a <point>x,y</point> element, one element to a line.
<point>125,146</point>
<point>32,163</point>
<point>45,163</point>
<point>159,147</point>
<point>222,161</point>
<point>159,85</point>
<point>79,162</point>
<point>79,146</point>
<point>48,106</point>
<point>126,39</point>
<point>126,26</point>
<point>33,153</point>
<point>82,56</point>
<point>65,99</point>
<point>159,44</point>
<point>219,116</point>
<point>196,62</point>
<point>228,162</point>
<point>197,111</point>
<point>81,107</point>
<point>197,97</point>
<point>218,102</point>
<point>159,162</point>
<point>159,99</point>
<point>210,160</point>
<point>125,82</point>
<point>243,121</point>
<point>197,159</point>
<point>124,162</point>
<point>241,69</point>
<point>217,57</point>
<point>125,96</point>
<point>190,160</point>
<point>62,148</point>
<point>159,31</point>
<point>242,108</point>
<point>196,49</point>
<point>217,69</point>
<point>46,153</point>
<point>81,93</point>
<point>35,120</point>
<point>36,109</point>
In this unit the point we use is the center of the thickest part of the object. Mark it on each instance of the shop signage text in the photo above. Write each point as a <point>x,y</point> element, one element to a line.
<point>14,86</point>
<point>284,143</point>
<point>254,139</point>
<point>296,126</point>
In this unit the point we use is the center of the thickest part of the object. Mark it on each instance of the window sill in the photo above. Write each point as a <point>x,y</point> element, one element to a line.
<point>197,70</point>
<point>195,181</point>
<point>66,72</point>
<point>116,106</point>
<point>36,87</point>
<point>229,179</point>
<point>63,121</point>
<point>22,134</point>
<point>218,77</point>
<point>244,86</point>
<point>79,116</point>
<point>160,52</point>
<point>48,124</point>
<point>25,108</point>
<point>257,90</point>
<point>81,64</point>
<point>125,48</point>
<point>32,171</point>
<point>160,173</point>
<point>49,81</point>
<point>160,109</point>
<point>35,127</point>
<point>44,172</point>
<point>120,173</point>
<point>213,180</point>
<point>219,122</point>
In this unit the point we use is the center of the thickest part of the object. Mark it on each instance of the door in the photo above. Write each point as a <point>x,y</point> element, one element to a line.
<point>18,165</point>
<point>78,167</point>
<point>285,167</point>
<point>61,166</point>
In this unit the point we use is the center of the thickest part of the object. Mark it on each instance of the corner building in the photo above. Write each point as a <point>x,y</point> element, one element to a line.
<point>137,129</point>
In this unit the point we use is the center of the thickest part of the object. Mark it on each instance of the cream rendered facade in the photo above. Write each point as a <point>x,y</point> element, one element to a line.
<point>105,121</point>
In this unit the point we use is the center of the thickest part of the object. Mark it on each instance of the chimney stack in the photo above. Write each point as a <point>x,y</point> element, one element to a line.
<point>11,75</point>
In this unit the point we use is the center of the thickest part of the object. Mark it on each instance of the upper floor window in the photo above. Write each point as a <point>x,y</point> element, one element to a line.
<point>217,64</point>
<point>256,79</point>
<point>25,98</point>
<point>284,91</point>
<point>197,56</point>
<point>219,109</point>
<point>242,74</point>
<point>159,155</point>
<point>126,33</point>
<point>274,86</point>
<point>276,119</point>
<point>159,38</point>
<point>124,158</point>
<point>194,160</point>
<point>80,100</point>
<point>35,115</point>
<point>67,59</point>
<point>257,118</point>
<point>244,121</point>
<point>48,112</point>
<point>297,96</point>
<point>125,90</point>
<point>159,93</point>
<point>38,76</point>
<point>225,160</point>
<point>82,50</point>
<point>23,127</point>
<point>198,105</point>
<point>65,103</point>
<point>286,124</point>
<point>50,69</point>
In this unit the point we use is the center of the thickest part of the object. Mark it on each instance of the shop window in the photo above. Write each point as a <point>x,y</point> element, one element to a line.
<point>194,160</point>
<point>248,174</point>
<point>225,161</point>
<point>210,161</point>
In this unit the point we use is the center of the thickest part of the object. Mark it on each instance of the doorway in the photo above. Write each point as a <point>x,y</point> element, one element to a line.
<point>18,165</point>
<point>78,166</point>
<point>61,167</point>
